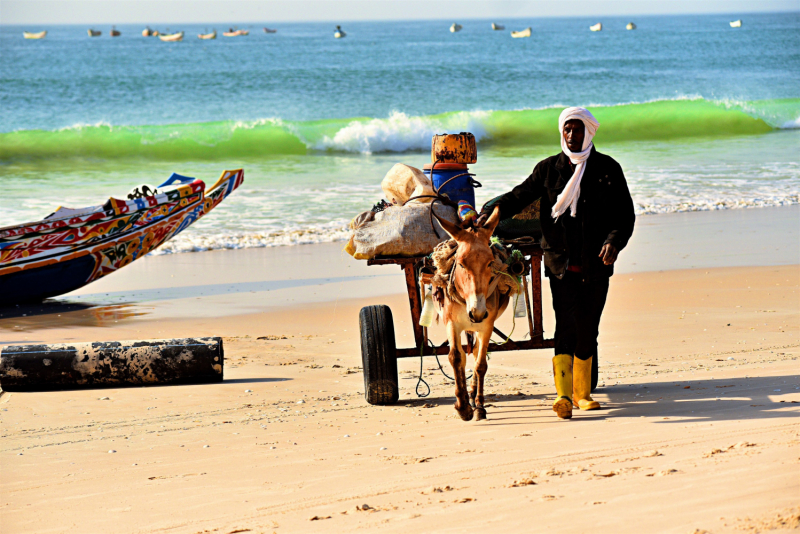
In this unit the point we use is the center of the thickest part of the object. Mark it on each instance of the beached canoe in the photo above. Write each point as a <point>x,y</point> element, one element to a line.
<point>455,28</point>
<point>523,33</point>
<point>597,27</point>
<point>34,35</point>
<point>171,37</point>
<point>736,23</point>
<point>94,33</point>
<point>212,35</point>
<point>74,247</point>
<point>498,27</point>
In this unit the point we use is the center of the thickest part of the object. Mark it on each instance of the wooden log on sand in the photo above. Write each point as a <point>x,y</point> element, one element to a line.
<point>112,363</point>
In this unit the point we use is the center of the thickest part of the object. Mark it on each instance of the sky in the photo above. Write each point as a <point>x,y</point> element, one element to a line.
<point>205,11</point>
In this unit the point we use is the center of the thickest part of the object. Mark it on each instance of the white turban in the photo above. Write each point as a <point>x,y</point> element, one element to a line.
<point>568,199</point>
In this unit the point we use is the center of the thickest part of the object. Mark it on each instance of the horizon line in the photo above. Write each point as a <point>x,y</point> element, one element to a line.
<point>432,19</point>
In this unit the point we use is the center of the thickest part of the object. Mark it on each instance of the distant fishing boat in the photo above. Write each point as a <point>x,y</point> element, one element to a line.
<point>114,32</point>
<point>597,27</point>
<point>736,23</point>
<point>74,247</point>
<point>34,35</point>
<point>630,26</point>
<point>212,35</point>
<point>171,37</point>
<point>94,33</point>
<point>524,33</point>
<point>235,33</point>
<point>339,32</point>
<point>147,32</point>
<point>497,27</point>
<point>268,30</point>
<point>455,28</point>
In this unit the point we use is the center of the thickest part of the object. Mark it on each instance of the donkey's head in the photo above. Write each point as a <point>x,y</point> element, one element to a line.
<point>472,272</point>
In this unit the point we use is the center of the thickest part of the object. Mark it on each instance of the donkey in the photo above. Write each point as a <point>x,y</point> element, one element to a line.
<point>471,310</point>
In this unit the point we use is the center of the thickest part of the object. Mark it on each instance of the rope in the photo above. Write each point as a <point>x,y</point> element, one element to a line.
<point>421,380</point>
<point>513,311</point>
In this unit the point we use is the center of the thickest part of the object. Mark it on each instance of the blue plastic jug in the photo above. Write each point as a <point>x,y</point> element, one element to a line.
<point>459,189</point>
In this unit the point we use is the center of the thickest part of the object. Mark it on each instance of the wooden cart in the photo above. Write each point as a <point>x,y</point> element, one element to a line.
<point>379,351</point>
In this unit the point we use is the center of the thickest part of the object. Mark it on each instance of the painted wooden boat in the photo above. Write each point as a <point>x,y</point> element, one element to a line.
<point>34,35</point>
<point>74,247</point>
<point>268,30</point>
<point>94,33</point>
<point>455,28</point>
<point>115,32</point>
<point>498,27</point>
<point>235,33</point>
<point>171,37</point>
<point>147,32</point>
<point>523,33</point>
<point>630,26</point>
<point>736,23</point>
<point>597,27</point>
<point>339,33</point>
<point>212,35</point>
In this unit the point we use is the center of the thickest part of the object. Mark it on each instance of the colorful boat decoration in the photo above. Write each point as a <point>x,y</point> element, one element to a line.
<point>74,247</point>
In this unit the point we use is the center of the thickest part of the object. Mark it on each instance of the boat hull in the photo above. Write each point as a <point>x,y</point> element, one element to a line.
<point>32,35</point>
<point>53,257</point>
<point>172,37</point>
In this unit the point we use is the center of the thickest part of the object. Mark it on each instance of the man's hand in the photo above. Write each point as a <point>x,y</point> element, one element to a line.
<point>608,254</point>
<point>481,220</point>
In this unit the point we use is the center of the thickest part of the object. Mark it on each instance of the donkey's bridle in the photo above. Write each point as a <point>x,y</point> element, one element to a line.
<point>453,293</point>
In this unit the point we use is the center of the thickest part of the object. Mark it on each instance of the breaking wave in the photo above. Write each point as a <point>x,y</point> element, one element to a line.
<point>658,120</point>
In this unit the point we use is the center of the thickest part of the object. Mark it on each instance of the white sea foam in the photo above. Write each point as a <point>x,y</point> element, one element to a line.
<point>791,125</point>
<point>196,242</point>
<point>400,132</point>
<point>190,241</point>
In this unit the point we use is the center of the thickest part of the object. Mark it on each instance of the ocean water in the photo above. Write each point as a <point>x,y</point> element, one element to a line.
<point>700,115</point>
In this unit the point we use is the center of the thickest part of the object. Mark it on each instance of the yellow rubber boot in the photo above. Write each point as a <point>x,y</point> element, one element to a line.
<point>562,371</point>
<point>582,385</point>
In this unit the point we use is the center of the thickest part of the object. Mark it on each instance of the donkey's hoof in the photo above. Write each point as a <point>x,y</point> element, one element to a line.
<point>480,414</point>
<point>465,413</point>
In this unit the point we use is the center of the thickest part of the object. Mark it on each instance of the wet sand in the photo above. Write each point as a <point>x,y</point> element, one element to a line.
<point>700,386</point>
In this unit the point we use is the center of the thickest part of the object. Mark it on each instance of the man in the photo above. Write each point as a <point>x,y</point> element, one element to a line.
<point>587,218</point>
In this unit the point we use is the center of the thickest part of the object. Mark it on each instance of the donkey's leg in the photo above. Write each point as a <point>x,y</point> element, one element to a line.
<point>473,390</point>
<point>481,366</point>
<point>458,361</point>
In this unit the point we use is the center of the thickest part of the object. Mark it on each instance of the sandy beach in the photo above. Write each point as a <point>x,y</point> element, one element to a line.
<point>699,383</point>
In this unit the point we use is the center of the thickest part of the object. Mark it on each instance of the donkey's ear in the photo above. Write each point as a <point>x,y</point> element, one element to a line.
<point>453,230</point>
<point>493,221</point>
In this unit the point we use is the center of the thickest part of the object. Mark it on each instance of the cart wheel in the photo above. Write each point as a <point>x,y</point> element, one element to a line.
<point>595,372</point>
<point>378,354</point>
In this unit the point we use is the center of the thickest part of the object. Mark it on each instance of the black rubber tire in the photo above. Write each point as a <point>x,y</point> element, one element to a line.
<point>379,355</point>
<point>595,372</point>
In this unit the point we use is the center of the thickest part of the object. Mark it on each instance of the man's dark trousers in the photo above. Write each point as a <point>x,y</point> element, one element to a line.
<point>578,305</point>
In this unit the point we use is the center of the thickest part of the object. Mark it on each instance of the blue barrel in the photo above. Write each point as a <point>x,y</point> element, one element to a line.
<point>459,189</point>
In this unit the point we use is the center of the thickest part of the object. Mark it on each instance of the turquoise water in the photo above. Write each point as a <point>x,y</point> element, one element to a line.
<point>702,116</point>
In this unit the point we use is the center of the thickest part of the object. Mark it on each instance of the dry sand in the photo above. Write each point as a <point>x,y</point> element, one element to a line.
<point>699,433</point>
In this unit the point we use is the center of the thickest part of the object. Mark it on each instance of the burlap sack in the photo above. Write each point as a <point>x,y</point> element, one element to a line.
<point>403,182</point>
<point>400,231</point>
